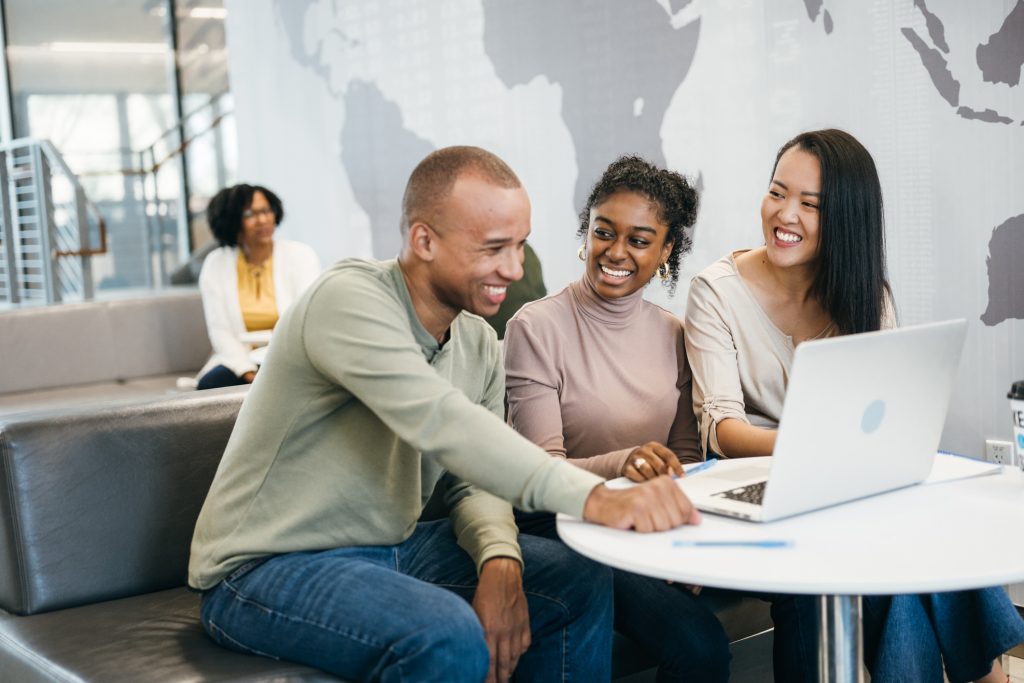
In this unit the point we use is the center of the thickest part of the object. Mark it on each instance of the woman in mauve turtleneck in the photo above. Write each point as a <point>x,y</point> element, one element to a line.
<point>597,375</point>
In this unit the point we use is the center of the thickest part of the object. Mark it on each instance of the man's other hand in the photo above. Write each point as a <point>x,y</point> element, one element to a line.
<point>500,604</point>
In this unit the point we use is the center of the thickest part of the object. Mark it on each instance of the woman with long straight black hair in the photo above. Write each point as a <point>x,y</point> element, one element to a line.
<point>821,273</point>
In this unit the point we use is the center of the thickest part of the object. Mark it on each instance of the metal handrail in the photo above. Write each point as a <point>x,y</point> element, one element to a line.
<point>183,145</point>
<point>205,105</point>
<point>41,231</point>
<point>61,247</point>
<point>54,158</point>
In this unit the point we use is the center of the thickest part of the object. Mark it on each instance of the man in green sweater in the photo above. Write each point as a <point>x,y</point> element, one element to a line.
<point>380,380</point>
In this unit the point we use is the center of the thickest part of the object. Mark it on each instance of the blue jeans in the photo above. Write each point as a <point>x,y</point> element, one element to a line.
<point>666,620</point>
<point>218,377</point>
<point>907,638</point>
<point>910,637</point>
<point>402,612</point>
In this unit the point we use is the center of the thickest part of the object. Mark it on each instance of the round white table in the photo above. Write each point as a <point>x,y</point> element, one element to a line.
<point>922,539</point>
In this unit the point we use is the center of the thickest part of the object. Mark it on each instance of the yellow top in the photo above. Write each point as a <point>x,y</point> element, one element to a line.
<point>256,294</point>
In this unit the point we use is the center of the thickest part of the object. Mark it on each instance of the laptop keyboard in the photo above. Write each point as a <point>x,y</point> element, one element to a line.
<point>751,493</point>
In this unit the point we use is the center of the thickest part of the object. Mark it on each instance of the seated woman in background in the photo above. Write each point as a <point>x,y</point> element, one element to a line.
<point>597,375</point>
<point>249,281</point>
<point>820,274</point>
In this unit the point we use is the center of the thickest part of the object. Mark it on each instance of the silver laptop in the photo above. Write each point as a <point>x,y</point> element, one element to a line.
<point>863,415</point>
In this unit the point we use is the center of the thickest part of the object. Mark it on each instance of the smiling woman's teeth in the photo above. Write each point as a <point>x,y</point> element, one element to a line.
<point>787,236</point>
<point>494,291</point>
<point>614,273</point>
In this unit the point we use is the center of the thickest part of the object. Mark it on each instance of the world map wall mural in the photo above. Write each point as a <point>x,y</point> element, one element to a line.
<point>339,99</point>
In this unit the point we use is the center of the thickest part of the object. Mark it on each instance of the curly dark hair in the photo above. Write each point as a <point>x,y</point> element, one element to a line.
<point>676,199</point>
<point>224,212</point>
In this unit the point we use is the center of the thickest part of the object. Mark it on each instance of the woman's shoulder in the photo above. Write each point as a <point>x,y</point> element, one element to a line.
<point>723,268</point>
<point>222,252</point>
<point>661,316</point>
<point>719,280</point>
<point>542,316</point>
<point>549,309</point>
<point>218,259</point>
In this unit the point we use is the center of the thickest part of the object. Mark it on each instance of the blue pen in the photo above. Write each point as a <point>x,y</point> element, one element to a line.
<point>701,467</point>
<point>731,544</point>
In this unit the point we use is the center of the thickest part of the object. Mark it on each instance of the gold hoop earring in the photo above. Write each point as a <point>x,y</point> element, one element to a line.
<point>581,253</point>
<point>663,272</point>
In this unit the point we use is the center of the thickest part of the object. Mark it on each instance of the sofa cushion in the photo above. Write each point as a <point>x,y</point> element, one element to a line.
<point>100,503</point>
<point>102,341</point>
<point>139,389</point>
<point>155,637</point>
<point>159,335</point>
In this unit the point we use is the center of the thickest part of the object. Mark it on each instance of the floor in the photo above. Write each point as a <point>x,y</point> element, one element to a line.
<point>1016,664</point>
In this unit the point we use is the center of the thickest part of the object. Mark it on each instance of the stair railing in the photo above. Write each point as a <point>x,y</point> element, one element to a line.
<point>48,222</point>
<point>148,166</point>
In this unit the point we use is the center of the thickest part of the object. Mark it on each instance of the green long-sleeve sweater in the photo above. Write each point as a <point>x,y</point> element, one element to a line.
<point>355,415</point>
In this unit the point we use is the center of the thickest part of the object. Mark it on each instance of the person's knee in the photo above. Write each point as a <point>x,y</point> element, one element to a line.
<point>217,378</point>
<point>704,658</point>
<point>692,645</point>
<point>714,642</point>
<point>466,649</point>
<point>583,583</point>
<point>451,647</point>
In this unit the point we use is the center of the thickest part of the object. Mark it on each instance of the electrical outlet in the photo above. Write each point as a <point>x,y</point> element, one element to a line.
<point>999,452</point>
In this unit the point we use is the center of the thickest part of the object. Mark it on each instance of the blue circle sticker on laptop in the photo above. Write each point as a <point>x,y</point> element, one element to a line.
<point>873,416</point>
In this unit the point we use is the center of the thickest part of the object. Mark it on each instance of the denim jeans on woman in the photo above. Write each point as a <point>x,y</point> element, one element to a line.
<point>910,637</point>
<point>402,613</point>
<point>907,638</point>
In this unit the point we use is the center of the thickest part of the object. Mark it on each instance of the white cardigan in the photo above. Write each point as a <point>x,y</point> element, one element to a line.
<point>295,265</point>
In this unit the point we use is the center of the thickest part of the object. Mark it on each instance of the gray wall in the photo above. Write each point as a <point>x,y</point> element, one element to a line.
<point>336,101</point>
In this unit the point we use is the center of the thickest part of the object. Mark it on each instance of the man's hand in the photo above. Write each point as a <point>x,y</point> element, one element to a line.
<point>649,461</point>
<point>500,604</point>
<point>655,505</point>
<point>249,377</point>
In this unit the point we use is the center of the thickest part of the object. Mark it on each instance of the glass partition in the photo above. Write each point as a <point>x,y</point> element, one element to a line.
<point>96,79</point>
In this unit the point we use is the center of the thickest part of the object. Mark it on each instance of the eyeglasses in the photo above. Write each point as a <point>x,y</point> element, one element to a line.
<point>257,213</point>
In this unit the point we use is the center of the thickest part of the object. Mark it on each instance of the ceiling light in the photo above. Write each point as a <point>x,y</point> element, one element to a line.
<point>207,13</point>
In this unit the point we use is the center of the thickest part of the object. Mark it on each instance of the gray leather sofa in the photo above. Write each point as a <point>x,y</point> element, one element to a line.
<point>97,507</point>
<point>130,348</point>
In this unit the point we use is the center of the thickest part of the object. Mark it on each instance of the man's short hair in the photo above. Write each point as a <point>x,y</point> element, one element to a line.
<point>433,178</point>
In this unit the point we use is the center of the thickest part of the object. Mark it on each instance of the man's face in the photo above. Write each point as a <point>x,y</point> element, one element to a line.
<point>480,233</point>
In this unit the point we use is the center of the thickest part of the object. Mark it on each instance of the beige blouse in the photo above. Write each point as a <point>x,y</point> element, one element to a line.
<point>739,359</point>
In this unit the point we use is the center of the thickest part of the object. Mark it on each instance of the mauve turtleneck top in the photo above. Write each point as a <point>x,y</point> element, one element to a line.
<point>590,378</point>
